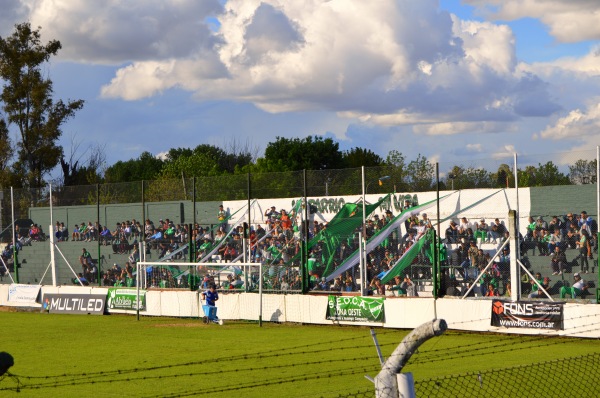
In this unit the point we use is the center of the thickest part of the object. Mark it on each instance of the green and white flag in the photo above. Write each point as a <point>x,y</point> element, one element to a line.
<point>355,308</point>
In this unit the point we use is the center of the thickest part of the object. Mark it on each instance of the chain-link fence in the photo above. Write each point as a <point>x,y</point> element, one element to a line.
<point>572,377</point>
<point>326,209</point>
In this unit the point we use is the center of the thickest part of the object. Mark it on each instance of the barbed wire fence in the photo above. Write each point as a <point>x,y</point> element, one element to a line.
<point>572,376</point>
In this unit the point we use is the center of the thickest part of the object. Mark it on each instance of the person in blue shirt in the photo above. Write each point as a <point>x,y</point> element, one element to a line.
<point>211,296</point>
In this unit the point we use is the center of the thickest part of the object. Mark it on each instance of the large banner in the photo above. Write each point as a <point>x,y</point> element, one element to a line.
<point>355,308</point>
<point>125,299</point>
<point>526,314</point>
<point>19,293</point>
<point>74,303</point>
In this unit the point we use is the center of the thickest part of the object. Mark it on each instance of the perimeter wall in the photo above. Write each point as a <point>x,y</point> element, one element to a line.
<point>580,320</point>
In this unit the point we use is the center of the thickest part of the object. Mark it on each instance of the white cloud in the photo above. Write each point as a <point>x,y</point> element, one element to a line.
<point>570,21</point>
<point>391,62</point>
<point>504,152</point>
<point>121,31</point>
<point>452,128</point>
<point>577,124</point>
<point>283,56</point>
<point>588,65</point>
<point>474,148</point>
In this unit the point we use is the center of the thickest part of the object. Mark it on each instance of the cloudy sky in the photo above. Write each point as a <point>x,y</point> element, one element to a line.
<point>449,79</point>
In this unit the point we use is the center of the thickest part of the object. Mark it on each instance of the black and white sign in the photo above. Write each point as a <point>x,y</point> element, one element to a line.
<point>74,303</point>
<point>527,314</point>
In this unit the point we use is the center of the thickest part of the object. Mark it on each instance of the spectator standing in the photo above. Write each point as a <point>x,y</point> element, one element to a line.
<point>585,251</point>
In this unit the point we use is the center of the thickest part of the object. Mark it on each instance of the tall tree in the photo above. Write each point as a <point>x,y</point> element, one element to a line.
<point>146,167</point>
<point>357,157</point>
<point>420,173</point>
<point>544,175</point>
<point>470,177</point>
<point>5,156</point>
<point>27,101</point>
<point>583,172</point>
<point>308,153</point>
<point>397,164</point>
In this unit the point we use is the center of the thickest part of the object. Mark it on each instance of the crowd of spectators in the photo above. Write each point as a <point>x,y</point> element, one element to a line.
<point>277,244</point>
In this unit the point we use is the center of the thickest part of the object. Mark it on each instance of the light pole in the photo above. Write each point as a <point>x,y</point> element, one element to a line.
<point>380,179</point>
<point>452,177</point>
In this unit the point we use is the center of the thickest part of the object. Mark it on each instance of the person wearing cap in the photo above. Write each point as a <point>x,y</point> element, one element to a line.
<point>576,289</point>
<point>271,216</point>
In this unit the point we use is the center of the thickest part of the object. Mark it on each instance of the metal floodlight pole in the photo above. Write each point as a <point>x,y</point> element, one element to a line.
<point>598,216</point>
<point>364,236</point>
<point>15,254</point>
<point>436,248</point>
<point>52,236</point>
<point>515,278</point>
<point>99,266</point>
<point>137,279</point>
<point>260,293</point>
<point>517,252</point>
<point>246,232</point>
<point>193,204</point>
<point>304,251</point>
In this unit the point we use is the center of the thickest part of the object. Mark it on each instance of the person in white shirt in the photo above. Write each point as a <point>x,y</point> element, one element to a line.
<point>575,290</point>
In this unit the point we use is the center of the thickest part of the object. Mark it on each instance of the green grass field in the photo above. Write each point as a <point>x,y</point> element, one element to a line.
<point>118,356</point>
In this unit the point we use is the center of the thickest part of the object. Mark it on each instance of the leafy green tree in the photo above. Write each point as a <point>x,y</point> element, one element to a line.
<point>27,101</point>
<point>358,157</point>
<point>470,177</point>
<point>6,174</point>
<point>583,172</point>
<point>224,160</point>
<point>421,174</point>
<point>396,162</point>
<point>544,175</point>
<point>503,177</point>
<point>146,167</point>
<point>308,153</point>
<point>197,164</point>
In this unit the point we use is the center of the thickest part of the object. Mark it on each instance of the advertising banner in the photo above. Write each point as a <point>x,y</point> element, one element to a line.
<point>74,303</point>
<point>355,308</point>
<point>125,299</point>
<point>527,314</point>
<point>19,293</point>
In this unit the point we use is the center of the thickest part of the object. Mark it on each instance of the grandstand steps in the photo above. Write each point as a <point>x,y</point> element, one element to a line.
<point>35,259</point>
